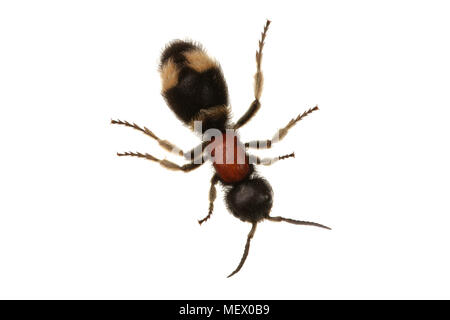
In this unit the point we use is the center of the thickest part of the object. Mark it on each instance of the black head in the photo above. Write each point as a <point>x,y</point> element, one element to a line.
<point>250,200</point>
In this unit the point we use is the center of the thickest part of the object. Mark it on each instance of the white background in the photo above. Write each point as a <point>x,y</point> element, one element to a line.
<point>76,221</point>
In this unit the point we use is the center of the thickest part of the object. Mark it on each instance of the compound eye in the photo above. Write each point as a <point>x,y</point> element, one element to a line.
<point>265,198</point>
<point>260,199</point>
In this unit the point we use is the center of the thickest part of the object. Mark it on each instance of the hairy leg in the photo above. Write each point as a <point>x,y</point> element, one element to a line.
<point>163,162</point>
<point>212,197</point>
<point>259,79</point>
<point>194,153</point>
<point>167,145</point>
<point>268,161</point>
<point>280,134</point>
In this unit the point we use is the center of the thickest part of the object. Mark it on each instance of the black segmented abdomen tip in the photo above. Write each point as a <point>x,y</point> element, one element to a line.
<point>175,50</point>
<point>193,85</point>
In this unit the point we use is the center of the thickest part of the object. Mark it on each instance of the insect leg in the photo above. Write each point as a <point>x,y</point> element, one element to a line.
<point>280,134</point>
<point>212,197</point>
<point>167,145</point>
<point>197,151</point>
<point>258,86</point>
<point>268,161</point>
<point>164,162</point>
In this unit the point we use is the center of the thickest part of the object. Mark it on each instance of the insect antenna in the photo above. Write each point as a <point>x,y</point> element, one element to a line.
<point>247,248</point>
<point>298,222</point>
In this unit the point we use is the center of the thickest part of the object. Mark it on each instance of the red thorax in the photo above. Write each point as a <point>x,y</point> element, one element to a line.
<point>229,158</point>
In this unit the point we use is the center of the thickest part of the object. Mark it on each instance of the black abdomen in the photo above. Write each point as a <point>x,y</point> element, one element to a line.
<point>193,85</point>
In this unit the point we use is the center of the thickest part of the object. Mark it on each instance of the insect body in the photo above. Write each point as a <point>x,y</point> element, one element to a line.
<point>230,159</point>
<point>194,87</point>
